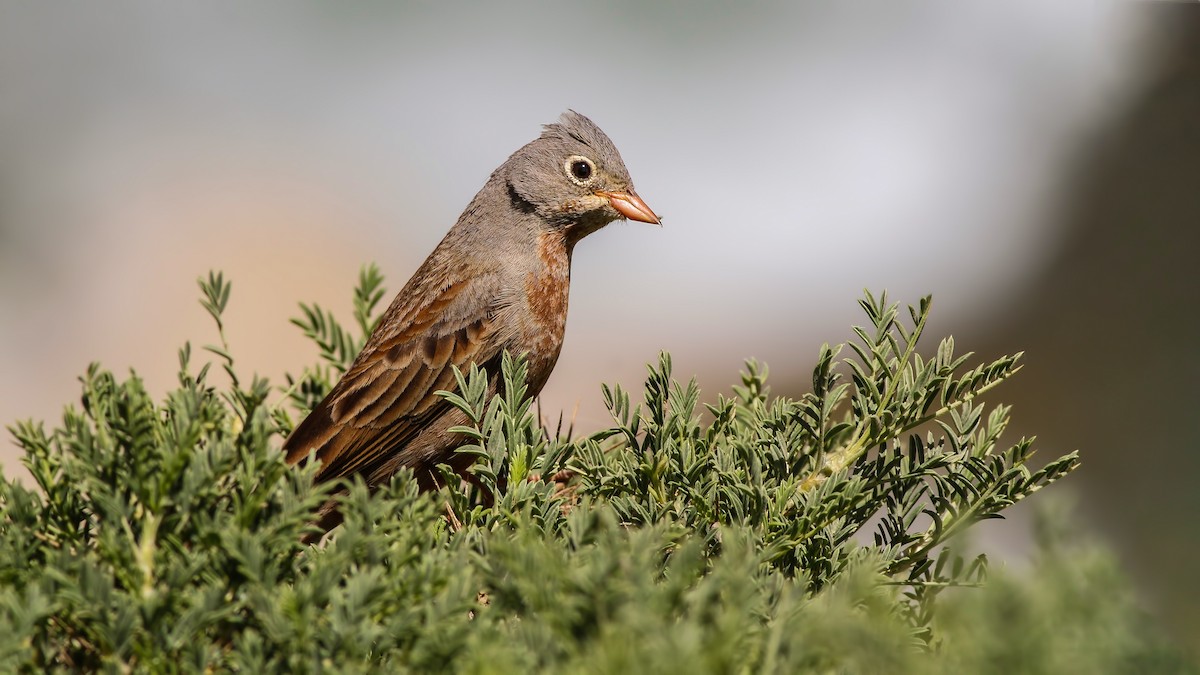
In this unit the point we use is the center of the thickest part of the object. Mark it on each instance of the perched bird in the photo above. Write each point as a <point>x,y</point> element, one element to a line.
<point>498,281</point>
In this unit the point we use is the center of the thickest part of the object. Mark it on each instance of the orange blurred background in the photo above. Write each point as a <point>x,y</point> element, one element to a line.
<point>1034,167</point>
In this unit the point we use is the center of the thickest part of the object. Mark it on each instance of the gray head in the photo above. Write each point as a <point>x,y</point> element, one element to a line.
<point>574,178</point>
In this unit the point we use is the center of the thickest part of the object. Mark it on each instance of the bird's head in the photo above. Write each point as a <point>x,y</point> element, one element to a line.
<point>574,178</point>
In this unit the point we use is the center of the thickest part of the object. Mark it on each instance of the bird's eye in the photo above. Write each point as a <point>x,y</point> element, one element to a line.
<point>580,169</point>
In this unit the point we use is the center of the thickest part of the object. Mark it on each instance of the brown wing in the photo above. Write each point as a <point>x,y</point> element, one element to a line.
<point>387,396</point>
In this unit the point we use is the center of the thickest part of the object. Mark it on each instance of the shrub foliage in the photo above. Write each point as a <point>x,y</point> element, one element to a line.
<point>757,533</point>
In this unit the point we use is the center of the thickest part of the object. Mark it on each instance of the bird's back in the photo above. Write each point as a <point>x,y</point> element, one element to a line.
<point>385,413</point>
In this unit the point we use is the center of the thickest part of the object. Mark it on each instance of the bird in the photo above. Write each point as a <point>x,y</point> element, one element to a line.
<point>497,282</point>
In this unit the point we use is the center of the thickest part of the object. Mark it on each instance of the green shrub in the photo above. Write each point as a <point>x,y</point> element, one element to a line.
<point>764,534</point>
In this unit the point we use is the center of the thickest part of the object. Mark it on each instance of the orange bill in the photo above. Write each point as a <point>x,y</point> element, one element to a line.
<point>631,206</point>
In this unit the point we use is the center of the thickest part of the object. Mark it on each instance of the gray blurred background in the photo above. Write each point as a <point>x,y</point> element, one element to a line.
<point>1032,165</point>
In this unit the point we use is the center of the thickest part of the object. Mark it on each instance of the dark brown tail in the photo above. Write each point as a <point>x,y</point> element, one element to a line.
<point>314,433</point>
<point>328,518</point>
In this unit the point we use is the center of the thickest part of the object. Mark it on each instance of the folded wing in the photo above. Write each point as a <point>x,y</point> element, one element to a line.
<point>387,396</point>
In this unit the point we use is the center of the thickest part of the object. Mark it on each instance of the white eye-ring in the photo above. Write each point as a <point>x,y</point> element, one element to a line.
<point>579,169</point>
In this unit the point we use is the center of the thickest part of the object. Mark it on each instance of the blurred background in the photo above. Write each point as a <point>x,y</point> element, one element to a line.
<point>1032,165</point>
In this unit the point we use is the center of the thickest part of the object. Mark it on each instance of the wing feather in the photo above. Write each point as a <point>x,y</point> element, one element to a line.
<point>387,395</point>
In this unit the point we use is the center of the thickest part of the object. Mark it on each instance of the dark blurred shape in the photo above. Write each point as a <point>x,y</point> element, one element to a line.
<point>1111,328</point>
